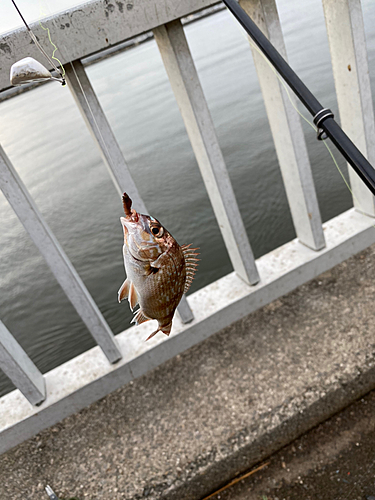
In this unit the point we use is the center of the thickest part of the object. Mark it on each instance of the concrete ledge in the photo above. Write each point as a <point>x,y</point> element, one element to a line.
<point>89,377</point>
<point>188,426</point>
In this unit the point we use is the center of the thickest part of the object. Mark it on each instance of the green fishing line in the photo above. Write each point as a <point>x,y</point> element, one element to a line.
<point>42,14</point>
<point>55,48</point>
<point>283,83</point>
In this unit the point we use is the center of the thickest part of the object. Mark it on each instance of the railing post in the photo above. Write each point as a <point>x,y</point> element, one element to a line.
<point>346,37</point>
<point>286,130</point>
<point>97,123</point>
<point>185,84</point>
<point>17,365</point>
<point>27,212</point>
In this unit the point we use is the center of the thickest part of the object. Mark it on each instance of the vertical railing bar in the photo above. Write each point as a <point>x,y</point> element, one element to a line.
<point>347,43</point>
<point>193,106</point>
<point>102,133</point>
<point>286,130</point>
<point>28,213</point>
<point>17,366</point>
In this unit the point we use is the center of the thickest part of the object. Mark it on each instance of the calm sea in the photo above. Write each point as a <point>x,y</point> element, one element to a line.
<point>47,141</point>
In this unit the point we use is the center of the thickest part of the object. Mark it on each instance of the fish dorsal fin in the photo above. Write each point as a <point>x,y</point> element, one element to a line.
<point>133,296</point>
<point>124,291</point>
<point>139,318</point>
<point>191,263</point>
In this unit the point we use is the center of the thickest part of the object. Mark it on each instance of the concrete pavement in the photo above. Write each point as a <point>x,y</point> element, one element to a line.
<point>191,425</point>
<point>334,461</point>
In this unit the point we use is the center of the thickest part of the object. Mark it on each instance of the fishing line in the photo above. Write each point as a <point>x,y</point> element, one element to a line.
<point>89,107</point>
<point>83,94</point>
<point>118,187</point>
<point>35,40</point>
<point>287,90</point>
<point>49,38</point>
<point>62,75</point>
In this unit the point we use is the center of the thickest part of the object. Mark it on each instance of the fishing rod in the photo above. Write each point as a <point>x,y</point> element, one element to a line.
<point>323,118</point>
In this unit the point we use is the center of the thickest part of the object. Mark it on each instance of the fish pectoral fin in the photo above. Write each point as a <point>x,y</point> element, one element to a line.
<point>162,260</point>
<point>140,318</point>
<point>124,291</point>
<point>165,329</point>
<point>133,296</point>
<point>191,263</point>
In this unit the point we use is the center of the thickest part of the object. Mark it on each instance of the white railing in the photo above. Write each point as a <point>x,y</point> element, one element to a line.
<point>120,359</point>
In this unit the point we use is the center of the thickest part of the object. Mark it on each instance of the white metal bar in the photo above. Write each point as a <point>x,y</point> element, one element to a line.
<point>28,213</point>
<point>102,133</point>
<point>17,365</point>
<point>286,130</point>
<point>87,378</point>
<point>185,83</point>
<point>90,27</point>
<point>347,43</point>
<point>184,311</point>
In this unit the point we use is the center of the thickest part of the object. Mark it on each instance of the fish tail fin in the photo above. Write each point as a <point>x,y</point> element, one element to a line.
<point>152,334</point>
<point>165,329</point>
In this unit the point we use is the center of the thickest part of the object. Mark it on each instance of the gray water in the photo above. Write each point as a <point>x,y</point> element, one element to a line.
<point>46,139</point>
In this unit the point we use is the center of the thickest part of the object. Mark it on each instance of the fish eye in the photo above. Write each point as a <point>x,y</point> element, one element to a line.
<point>157,231</point>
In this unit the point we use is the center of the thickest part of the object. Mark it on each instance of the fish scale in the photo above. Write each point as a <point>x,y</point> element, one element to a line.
<point>158,270</point>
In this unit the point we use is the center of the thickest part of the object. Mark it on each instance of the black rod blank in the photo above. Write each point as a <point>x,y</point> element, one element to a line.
<point>346,147</point>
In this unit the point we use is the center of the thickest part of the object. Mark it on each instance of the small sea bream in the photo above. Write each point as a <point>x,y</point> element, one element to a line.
<point>158,270</point>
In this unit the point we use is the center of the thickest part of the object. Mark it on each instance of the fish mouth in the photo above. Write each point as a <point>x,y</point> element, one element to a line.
<point>132,244</point>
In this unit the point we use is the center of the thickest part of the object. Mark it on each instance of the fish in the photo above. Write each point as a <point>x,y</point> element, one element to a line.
<point>158,270</point>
